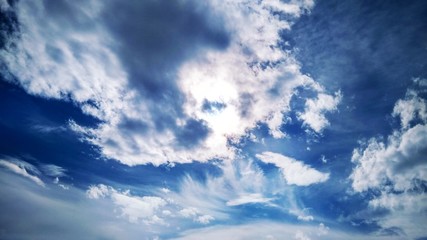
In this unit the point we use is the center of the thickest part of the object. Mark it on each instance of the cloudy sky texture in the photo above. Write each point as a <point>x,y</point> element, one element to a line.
<point>230,119</point>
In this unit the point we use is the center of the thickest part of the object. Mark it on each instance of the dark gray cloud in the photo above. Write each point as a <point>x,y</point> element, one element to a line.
<point>153,39</point>
<point>192,133</point>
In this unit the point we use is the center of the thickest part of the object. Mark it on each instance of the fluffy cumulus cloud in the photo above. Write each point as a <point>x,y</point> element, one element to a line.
<point>315,109</point>
<point>396,167</point>
<point>398,162</point>
<point>164,92</point>
<point>294,172</point>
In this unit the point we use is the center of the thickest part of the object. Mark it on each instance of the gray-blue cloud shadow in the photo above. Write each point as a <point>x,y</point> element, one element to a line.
<point>153,39</point>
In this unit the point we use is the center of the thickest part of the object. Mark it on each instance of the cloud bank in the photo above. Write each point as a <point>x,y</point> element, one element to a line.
<point>163,91</point>
<point>396,167</point>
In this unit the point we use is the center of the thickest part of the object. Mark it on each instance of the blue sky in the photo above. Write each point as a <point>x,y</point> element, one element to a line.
<point>213,119</point>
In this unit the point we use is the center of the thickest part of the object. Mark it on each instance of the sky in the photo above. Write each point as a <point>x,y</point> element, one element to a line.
<point>213,119</point>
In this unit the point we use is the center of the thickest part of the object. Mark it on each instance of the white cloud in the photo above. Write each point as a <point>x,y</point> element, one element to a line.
<point>188,212</point>
<point>305,218</point>
<point>214,199</point>
<point>137,208</point>
<point>241,77</point>
<point>301,214</point>
<point>162,210</point>
<point>271,230</point>
<point>400,160</point>
<point>134,208</point>
<point>48,209</point>
<point>250,198</point>
<point>396,168</point>
<point>166,213</point>
<point>99,191</point>
<point>301,236</point>
<point>410,108</point>
<point>81,218</point>
<point>48,129</point>
<point>32,172</point>
<point>411,202</point>
<point>165,190</point>
<point>294,172</point>
<point>315,109</point>
<point>240,183</point>
<point>43,40</point>
<point>237,78</point>
<point>205,219</point>
<point>194,214</point>
<point>407,212</point>
<point>52,170</point>
<point>22,168</point>
<point>322,229</point>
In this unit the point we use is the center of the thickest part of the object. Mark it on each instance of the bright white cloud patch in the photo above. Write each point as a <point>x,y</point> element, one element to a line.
<point>225,92</point>
<point>305,218</point>
<point>237,78</point>
<point>315,109</point>
<point>250,198</point>
<point>410,108</point>
<point>400,160</point>
<point>294,172</point>
<point>397,168</point>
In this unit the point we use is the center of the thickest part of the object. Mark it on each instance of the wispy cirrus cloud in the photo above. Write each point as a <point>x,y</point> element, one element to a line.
<point>294,172</point>
<point>52,170</point>
<point>50,208</point>
<point>272,230</point>
<point>37,173</point>
<point>24,169</point>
